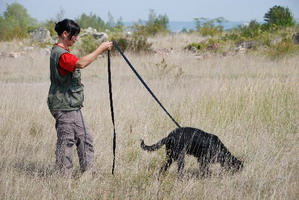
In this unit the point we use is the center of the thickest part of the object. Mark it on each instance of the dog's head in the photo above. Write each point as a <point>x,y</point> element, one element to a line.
<point>236,165</point>
<point>142,143</point>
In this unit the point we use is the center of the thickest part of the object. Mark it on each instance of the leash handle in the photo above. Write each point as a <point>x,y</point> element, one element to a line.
<point>112,111</point>
<point>144,84</point>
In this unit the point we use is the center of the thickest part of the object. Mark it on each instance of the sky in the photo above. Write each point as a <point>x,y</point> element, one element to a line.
<point>134,10</point>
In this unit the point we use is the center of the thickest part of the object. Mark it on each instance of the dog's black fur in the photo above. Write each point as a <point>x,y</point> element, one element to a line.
<point>206,147</point>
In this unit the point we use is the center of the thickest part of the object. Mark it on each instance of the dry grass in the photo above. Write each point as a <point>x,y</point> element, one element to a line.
<point>250,102</point>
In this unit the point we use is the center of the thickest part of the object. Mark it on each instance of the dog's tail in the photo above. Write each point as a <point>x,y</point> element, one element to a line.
<point>153,147</point>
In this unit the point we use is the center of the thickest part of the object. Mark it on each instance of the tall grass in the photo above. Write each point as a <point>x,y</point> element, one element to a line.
<point>249,101</point>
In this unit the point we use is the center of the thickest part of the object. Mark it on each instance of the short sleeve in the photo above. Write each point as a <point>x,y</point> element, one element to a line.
<point>67,63</point>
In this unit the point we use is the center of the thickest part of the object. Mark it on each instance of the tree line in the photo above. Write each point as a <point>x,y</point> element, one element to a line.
<point>17,23</point>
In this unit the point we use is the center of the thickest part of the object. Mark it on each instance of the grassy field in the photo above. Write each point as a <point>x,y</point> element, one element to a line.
<point>248,100</point>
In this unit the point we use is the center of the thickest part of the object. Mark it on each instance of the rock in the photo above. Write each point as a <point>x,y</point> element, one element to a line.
<point>45,51</point>
<point>246,45</point>
<point>41,35</point>
<point>101,36</point>
<point>296,38</point>
<point>163,51</point>
<point>213,47</point>
<point>14,54</point>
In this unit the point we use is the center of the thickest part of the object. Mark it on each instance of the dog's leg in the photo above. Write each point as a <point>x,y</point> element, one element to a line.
<point>203,168</point>
<point>170,158</point>
<point>181,163</point>
<point>166,165</point>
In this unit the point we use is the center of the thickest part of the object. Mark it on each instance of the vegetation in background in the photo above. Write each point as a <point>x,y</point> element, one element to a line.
<point>115,26</point>
<point>15,23</point>
<point>87,45</point>
<point>274,36</point>
<point>211,45</point>
<point>50,25</point>
<point>209,27</point>
<point>132,43</point>
<point>92,21</point>
<point>85,21</point>
<point>283,48</point>
<point>155,25</point>
<point>280,16</point>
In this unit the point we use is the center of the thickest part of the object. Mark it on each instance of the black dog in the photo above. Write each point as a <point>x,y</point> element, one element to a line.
<point>206,147</point>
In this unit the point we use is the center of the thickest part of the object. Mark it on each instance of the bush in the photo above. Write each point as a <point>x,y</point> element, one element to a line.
<point>87,45</point>
<point>50,25</point>
<point>282,49</point>
<point>132,43</point>
<point>212,45</point>
<point>139,44</point>
<point>252,32</point>
<point>135,44</point>
<point>210,31</point>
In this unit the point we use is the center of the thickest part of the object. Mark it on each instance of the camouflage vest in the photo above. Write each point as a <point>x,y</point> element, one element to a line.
<point>66,92</point>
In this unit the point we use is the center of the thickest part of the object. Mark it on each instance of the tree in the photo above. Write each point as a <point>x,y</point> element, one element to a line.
<point>155,24</point>
<point>15,22</point>
<point>119,23</point>
<point>117,26</point>
<point>92,21</point>
<point>211,27</point>
<point>280,16</point>
<point>110,22</point>
<point>60,14</point>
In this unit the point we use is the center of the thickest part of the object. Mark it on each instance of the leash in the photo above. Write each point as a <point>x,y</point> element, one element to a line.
<point>112,110</point>
<point>111,99</point>
<point>144,84</point>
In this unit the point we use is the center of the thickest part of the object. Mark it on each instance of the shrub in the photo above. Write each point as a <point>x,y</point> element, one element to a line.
<point>212,45</point>
<point>139,44</point>
<point>210,31</point>
<point>50,25</point>
<point>282,49</point>
<point>132,43</point>
<point>87,45</point>
<point>135,44</point>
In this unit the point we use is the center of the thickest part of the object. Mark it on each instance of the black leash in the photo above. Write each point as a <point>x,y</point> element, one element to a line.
<point>111,99</point>
<point>144,84</point>
<point>112,110</point>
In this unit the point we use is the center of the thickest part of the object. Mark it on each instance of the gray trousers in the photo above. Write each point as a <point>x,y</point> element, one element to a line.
<point>72,130</point>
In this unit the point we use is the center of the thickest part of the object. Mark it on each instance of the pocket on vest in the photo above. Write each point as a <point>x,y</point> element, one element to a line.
<point>57,100</point>
<point>76,97</point>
